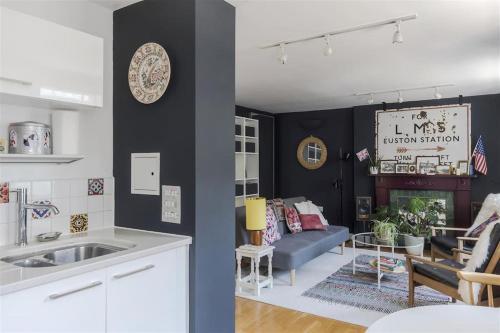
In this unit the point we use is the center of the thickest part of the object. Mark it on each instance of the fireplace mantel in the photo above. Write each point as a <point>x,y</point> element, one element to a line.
<point>459,185</point>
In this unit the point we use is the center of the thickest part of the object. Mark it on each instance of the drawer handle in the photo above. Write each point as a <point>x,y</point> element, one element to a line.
<point>122,275</point>
<point>69,292</point>
<point>24,83</point>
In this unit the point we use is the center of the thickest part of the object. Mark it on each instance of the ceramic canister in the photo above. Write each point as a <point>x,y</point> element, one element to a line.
<point>30,138</point>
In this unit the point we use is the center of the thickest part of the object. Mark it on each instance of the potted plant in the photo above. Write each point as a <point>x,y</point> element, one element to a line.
<point>374,166</point>
<point>416,220</point>
<point>384,230</point>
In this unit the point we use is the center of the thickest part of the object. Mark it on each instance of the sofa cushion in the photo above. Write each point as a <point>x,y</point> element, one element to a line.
<point>307,207</point>
<point>442,275</point>
<point>311,222</point>
<point>447,243</point>
<point>294,250</point>
<point>271,234</point>
<point>292,220</point>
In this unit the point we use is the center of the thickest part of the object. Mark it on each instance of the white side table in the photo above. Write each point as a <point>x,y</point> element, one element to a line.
<point>254,281</point>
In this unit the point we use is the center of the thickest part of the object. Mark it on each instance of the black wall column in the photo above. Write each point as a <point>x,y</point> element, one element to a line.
<point>192,126</point>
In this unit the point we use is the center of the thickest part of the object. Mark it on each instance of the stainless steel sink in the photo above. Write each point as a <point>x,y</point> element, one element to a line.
<point>62,255</point>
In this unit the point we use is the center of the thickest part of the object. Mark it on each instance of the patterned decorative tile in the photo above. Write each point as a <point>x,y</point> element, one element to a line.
<point>4,193</point>
<point>79,223</point>
<point>38,214</point>
<point>96,186</point>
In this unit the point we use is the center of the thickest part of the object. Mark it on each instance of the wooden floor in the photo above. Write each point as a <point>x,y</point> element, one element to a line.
<point>257,317</point>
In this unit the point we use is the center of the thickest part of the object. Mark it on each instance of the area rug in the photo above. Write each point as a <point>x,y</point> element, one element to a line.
<point>361,290</point>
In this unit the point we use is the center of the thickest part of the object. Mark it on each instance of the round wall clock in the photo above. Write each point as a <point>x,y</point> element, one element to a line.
<point>149,73</point>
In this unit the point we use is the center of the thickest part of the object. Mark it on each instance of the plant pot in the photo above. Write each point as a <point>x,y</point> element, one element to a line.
<point>373,170</point>
<point>415,243</point>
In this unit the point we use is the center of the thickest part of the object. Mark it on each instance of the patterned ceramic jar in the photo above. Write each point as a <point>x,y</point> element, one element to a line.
<point>30,138</point>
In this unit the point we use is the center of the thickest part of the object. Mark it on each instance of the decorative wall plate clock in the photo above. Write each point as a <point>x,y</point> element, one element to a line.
<point>149,73</point>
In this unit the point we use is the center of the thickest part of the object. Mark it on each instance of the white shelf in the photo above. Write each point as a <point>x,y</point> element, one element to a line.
<point>247,163</point>
<point>23,158</point>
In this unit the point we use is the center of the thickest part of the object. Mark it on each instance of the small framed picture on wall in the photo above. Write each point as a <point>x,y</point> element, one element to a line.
<point>388,166</point>
<point>443,169</point>
<point>402,168</point>
<point>426,165</point>
<point>463,168</point>
<point>363,208</point>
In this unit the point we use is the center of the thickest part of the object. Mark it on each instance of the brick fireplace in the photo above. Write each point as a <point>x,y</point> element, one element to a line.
<point>459,186</point>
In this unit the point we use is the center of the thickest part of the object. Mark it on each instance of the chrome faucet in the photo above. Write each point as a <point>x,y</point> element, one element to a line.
<point>22,214</point>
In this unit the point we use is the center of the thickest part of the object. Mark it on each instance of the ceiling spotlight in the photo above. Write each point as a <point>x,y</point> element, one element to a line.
<point>328,48</point>
<point>400,97</point>
<point>371,100</point>
<point>283,58</point>
<point>397,38</point>
<point>437,95</point>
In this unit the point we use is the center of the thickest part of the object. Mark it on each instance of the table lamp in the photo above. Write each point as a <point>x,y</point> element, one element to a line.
<point>256,219</point>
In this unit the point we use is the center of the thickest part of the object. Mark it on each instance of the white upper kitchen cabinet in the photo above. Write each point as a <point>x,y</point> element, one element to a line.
<point>44,63</point>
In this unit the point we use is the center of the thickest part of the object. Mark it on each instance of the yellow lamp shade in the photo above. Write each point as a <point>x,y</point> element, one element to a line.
<point>256,213</point>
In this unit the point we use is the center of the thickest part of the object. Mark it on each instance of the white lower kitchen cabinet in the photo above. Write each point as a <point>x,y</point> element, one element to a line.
<point>76,304</point>
<point>149,294</point>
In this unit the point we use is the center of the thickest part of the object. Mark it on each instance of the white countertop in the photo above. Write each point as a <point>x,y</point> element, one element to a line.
<point>139,244</point>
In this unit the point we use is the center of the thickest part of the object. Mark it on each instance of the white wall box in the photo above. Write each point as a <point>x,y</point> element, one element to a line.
<point>148,294</point>
<point>45,64</point>
<point>145,173</point>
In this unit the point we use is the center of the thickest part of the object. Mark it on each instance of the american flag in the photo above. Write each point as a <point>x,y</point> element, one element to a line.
<point>479,156</point>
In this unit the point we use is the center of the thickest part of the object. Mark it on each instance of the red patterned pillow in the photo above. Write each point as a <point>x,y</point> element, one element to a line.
<point>311,222</point>
<point>292,220</point>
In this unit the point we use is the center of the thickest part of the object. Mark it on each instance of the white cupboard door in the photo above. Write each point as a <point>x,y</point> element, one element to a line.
<point>149,294</point>
<point>47,61</point>
<point>75,304</point>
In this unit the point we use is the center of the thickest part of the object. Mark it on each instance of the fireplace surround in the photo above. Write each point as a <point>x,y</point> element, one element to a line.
<point>459,185</point>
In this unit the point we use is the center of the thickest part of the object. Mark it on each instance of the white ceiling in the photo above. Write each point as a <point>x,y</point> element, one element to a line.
<point>450,42</point>
<point>114,4</point>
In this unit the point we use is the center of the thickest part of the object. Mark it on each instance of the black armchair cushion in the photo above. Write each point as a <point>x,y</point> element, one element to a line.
<point>438,274</point>
<point>447,243</point>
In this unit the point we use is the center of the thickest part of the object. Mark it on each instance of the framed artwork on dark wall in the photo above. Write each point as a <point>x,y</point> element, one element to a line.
<point>363,208</point>
<point>427,164</point>
<point>388,166</point>
<point>402,168</point>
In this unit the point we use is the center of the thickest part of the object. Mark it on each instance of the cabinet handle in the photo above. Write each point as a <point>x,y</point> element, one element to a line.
<point>122,275</point>
<point>8,79</point>
<point>69,292</point>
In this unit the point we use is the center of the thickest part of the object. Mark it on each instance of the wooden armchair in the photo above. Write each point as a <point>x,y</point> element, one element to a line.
<point>442,276</point>
<point>442,245</point>
<point>488,280</point>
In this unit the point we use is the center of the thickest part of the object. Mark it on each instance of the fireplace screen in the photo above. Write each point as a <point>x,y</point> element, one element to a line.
<point>399,198</point>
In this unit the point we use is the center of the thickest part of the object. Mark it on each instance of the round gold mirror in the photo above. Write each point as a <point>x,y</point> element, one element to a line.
<point>312,153</point>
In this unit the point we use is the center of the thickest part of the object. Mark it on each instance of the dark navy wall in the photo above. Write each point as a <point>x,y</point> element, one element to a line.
<point>334,127</point>
<point>267,163</point>
<point>192,127</point>
<point>354,129</point>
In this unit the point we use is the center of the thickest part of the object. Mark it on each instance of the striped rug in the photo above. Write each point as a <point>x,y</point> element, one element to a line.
<point>361,290</point>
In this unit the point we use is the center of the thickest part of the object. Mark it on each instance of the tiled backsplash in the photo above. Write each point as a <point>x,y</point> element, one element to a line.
<point>84,204</point>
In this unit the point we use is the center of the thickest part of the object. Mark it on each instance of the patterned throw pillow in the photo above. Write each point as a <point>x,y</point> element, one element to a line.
<point>271,234</point>
<point>292,220</point>
<point>311,222</point>
<point>476,232</point>
<point>279,209</point>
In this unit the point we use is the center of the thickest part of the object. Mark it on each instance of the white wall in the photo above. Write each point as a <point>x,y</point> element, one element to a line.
<point>96,126</point>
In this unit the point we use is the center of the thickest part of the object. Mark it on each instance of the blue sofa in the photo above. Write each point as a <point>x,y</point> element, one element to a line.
<point>294,250</point>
